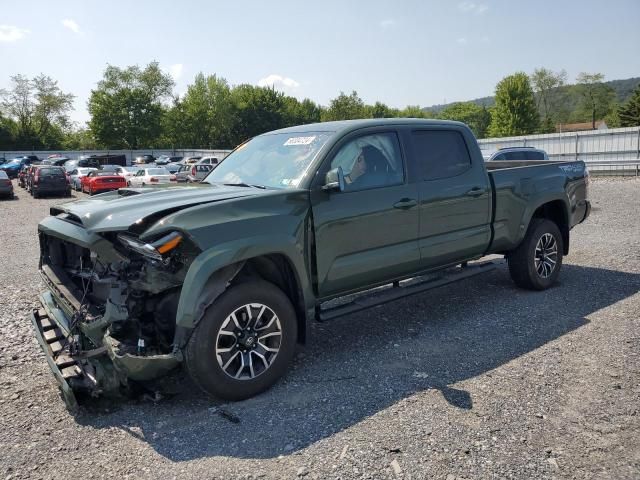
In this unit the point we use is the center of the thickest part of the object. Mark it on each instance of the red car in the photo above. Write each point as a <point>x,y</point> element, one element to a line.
<point>100,181</point>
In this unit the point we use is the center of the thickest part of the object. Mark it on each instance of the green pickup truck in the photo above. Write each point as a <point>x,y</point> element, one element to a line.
<point>224,278</point>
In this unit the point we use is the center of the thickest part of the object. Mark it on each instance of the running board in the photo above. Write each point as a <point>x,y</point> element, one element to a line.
<point>370,299</point>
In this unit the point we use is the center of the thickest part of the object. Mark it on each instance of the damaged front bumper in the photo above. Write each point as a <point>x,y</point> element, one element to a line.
<point>100,371</point>
<point>89,347</point>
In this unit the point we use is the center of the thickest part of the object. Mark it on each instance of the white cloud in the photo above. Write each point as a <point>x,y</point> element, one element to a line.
<point>278,82</point>
<point>462,41</point>
<point>71,25</point>
<point>471,7</point>
<point>175,71</point>
<point>11,33</point>
<point>388,23</point>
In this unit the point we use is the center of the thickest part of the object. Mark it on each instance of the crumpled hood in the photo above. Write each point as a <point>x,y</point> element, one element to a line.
<point>120,209</point>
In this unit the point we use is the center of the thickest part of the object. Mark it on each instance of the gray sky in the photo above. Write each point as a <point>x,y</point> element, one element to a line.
<point>400,53</point>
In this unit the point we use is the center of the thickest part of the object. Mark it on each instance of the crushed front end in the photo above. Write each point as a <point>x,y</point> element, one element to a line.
<point>108,314</point>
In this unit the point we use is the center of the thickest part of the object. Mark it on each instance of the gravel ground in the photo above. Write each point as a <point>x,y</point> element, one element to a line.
<point>474,380</point>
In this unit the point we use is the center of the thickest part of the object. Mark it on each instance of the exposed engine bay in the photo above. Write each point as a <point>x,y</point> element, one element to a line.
<point>119,305</point>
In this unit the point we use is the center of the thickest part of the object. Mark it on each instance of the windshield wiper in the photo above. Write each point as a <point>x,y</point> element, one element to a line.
<point>242,184</point>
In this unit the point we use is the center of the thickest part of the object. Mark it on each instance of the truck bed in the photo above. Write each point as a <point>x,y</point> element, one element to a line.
<point>519,187</point>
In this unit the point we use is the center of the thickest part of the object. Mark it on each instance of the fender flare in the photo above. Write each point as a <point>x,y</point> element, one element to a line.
<point>532,208</point>
<point>211,271</point>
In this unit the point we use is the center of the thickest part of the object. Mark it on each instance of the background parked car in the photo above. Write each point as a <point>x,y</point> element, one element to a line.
<point>189,160</point>
<point>144,159</point>
<point>183,173</point>
<point>22,176</point>
<point>13,166</point>
<point>28,176</point>
<point>75,176</point>
<point>518,153</point>
<point>151,176</point>
<point>57,160</point>
<point>173,167</point>
<point>6,186</point>
<point>83,161</point>
<point>209,161</point>
<point>197,172</point>
<point>127,172</point>
<point>166,159</point>
<point>99,181</point>
<point>49,179</point>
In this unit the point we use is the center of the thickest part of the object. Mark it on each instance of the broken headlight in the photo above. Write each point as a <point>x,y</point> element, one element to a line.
<point>154,250</point>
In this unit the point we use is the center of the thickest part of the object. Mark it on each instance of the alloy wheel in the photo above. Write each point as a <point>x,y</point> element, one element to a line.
<point>248,341</point>
<point>546,255</point>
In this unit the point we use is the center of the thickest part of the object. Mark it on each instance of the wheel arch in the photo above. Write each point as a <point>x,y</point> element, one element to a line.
<point>557,212</point>
<point>553,209</point>
<point>210,276</point>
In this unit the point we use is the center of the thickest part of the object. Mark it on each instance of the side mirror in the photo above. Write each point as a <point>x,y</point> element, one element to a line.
<point>334,180</point>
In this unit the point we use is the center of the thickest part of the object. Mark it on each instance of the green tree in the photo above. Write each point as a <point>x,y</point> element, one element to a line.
<point>476,116</point>
<point>412,111</point>
<point>39,111</point>
<point>256,110</point>
<point>515,110</point>
<point>596,98</point>
<point>629,113</point>
<point>126,108</point>
<point>345,107</point>
<point>203,116</point>
<point>546,85</point>
<point>79,139</point>
<point>7,133</point>
<point>301,113</point>
<point>379,110</point>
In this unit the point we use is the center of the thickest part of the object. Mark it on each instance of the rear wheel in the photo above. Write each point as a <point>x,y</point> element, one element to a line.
<point>244,341</point>
<point>536,263</point>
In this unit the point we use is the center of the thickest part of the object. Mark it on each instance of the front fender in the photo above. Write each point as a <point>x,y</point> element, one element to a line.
<point>220,256</point>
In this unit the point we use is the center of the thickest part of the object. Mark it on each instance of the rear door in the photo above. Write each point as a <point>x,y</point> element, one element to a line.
<point>455,196</point>
<point>366,234</point>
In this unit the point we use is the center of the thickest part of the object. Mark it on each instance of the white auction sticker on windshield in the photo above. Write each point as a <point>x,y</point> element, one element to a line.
<point>299,141</point>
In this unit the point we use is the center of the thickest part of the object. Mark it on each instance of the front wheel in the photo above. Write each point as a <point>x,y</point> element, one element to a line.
<point>536,263</point>
<point>244,342</point>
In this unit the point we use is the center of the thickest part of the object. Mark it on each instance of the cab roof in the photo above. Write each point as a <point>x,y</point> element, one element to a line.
<point>344,126</point>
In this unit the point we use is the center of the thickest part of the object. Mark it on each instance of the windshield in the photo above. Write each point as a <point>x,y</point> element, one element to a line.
<point>278,160</point>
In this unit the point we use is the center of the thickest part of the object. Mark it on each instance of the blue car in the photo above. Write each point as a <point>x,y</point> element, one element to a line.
<point>13,166</point>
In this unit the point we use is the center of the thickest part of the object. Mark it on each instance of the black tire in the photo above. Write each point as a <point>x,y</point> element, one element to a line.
<point>34,194</point>
<point>522,261</point>
<point>201,356</point>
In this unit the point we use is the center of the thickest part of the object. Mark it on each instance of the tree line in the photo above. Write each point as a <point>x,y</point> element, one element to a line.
<point>135,108</point>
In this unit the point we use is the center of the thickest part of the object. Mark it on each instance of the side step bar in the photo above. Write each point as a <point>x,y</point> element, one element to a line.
<point>374,298</point>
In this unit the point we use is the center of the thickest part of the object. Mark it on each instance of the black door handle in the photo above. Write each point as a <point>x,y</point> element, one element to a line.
<point>475,192</point>
<point>405,204</point>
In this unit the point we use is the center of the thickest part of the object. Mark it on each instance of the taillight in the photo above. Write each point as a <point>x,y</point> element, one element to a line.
<point>193,171</point>
<point>153,180</point>
<point>173,178</point>
<point>36,177</point>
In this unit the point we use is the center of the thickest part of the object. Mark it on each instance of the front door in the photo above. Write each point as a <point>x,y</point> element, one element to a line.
<point>366,234</point>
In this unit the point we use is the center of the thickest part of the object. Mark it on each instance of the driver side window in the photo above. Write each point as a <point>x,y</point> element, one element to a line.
<point>370,161</point>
